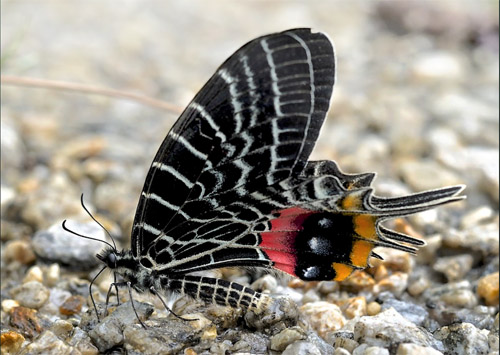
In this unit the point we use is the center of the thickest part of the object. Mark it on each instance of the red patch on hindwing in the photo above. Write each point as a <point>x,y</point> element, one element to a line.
<point>279,242</point>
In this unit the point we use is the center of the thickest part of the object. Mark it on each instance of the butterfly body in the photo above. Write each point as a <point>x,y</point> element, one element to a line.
<point>231,185</point>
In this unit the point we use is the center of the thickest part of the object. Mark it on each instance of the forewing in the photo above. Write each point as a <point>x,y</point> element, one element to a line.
<point>252,125</point>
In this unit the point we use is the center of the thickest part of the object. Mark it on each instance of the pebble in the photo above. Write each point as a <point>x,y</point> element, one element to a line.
<point>34,273</point>
<point>414,349</point>
<point>358,281</point>
<point>11,342</point>
<point>26,321</point>
<point>310,296</point>
<point>48,343</point>
<point>435,67</point>
<point>72,305</point>
<point>355,307</point>
<point>8,305</point>
<point>343,340</point>
<point>427,254</point>
<point>31,294</point>
<point>324,317</point>
<point>110,331</point>
<point>373,308</point>
<point>81,341</point>
<point>412,312</point>
<point>482,238</point>
<point>19,250</point>
<point>395,260</point>
<point>487,288</point>
<point>476,216</point>
<point>463,339</point>
<point>58,246</point>
<point>389,328</point>
<point>396,283</point>
<point>286,337</point>
<point>364,349</point>
<point>418,286</point>
<point>454,267</point>
<point>62,329</point>
<point>266,282</point>
<point>457,294</point>
<point>426,175</point>
<point>301,347</point>
<point>52,275</point>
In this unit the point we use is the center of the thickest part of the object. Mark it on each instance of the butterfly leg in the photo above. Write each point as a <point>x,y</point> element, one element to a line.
<point>129,286</point>
<point>108,295</point>
<point>154,292</point>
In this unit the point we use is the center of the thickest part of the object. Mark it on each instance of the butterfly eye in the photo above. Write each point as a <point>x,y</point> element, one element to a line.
<point>111,260</point>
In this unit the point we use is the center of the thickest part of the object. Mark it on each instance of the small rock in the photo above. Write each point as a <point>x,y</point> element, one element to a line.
<point>26,320</point>
<point>286,337</point>
<point>7,305</point>
<point>48,343</point>
<point>418,286</point>
<point>364,349</point>
<point>11,342</point>
<point>427,254</point>
<point>476,216</point>
<point>427,175</point>
<point>266,282</point>
<point>31,294</point>
<point>412,312</point>
<point>19,250</point>
<point>454,267</point>
<point>310,296</point>
<point>487,288</point>
<point>53,274</point>
<point>436,67</point>
<point>301,347</point>
<point>457,294</point>
<point>389,328</point>
<point>324,317</point>
<point>463,338</point>
<point>109,332</point>
<point>343,339</point>
<point>251,343</point>
<point>62,329</point>
<point>483,238</point>
<point>58,246</point>
<point>358,281</point>
<point>395,283</point>
<point>373,308</point>
<point>414,349</point>
<point>82,342</point>
<point>281,312</point>
<point>355,307</point>
<point>326,287</point>
<point>72,305</point>
<point>34,273</point>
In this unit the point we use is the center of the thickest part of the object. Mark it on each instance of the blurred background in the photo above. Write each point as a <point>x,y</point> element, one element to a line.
<point>416,98</point>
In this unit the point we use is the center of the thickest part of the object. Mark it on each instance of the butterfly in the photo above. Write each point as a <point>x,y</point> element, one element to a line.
<point>232,186</point>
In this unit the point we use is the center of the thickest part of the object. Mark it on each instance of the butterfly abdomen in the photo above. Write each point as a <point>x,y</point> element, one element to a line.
<point>217,291</point>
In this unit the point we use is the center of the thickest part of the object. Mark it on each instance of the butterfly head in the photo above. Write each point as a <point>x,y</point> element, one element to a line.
<point>109,256</point>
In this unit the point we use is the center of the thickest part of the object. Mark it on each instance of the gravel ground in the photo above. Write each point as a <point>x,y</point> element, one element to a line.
<point>416,100</point>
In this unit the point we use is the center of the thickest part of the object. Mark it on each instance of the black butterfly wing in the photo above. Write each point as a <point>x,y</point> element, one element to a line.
<point>252,125</point>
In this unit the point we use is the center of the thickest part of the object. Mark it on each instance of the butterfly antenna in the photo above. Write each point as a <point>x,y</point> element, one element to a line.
<point>84,236</point>
<point>96,221</point>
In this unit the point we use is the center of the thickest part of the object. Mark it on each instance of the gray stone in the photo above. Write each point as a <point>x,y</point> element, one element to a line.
<point>57,245</point>
<point>463,339</point>
<point>31,294</point>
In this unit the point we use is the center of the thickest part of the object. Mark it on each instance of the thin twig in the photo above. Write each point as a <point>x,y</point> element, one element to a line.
<point>88,89</point>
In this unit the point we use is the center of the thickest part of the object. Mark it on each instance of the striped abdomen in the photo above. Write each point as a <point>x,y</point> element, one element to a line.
<point>217,291</point>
